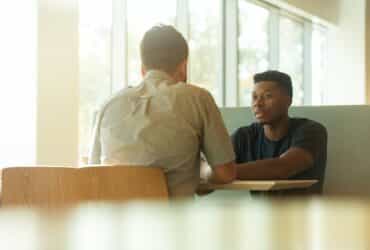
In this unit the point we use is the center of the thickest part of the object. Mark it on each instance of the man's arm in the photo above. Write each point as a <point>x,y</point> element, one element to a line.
<point>215,143</point>
<point>291,162</point>
<point>220,174</point>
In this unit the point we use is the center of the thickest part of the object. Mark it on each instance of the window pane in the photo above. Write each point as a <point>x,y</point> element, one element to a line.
<point>253,46</point>
<point>205,45</point>
<point>141,16</point>
<point>319,63</point>
<point>95,67</point>
<point>291,55</point>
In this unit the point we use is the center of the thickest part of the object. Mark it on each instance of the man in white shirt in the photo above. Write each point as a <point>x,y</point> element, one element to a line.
<point>165,122</point>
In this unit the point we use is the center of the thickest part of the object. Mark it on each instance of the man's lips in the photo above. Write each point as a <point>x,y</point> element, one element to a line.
<point>258,114</point>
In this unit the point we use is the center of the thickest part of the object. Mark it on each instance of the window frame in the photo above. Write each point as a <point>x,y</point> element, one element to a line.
<point>228,69</point>
<point>229,57</point>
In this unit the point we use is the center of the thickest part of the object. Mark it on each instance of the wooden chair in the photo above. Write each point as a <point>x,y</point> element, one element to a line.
<point>56,186</point>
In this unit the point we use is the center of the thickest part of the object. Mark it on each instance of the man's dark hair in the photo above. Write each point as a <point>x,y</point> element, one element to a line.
<point>283,80</point>
<point>163,48</point>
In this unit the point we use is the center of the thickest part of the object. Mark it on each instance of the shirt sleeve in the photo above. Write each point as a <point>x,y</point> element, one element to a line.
<point>95,146</point>
<point>311,137</point>
<point>243,143</point>
<point>236,140</point>
<point>215,140</point>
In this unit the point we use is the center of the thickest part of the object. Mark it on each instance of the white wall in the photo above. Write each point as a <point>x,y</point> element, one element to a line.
<point>18,82</point>
<point>346,83</point>
<point>346,80</point>
<point>324,9</point>
<point>367,45</point>
<point>57,116</point>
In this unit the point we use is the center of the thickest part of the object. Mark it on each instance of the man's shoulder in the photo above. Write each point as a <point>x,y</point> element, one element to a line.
<point>116,99</point>
<point>194,95</point>
<point>249,130</point>
<point>193,90</point>
<point>305,124</point>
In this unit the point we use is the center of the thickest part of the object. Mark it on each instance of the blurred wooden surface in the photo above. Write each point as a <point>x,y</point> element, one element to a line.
<point>54,186</point>
<point>258,225</point>
<point>260,185</point>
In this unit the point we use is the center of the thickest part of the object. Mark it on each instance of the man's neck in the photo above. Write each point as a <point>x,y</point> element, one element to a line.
<point>175,77</point>
<point>277,130</point>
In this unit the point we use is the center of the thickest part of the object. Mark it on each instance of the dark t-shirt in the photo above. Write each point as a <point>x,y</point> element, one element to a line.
<point>250,144</point>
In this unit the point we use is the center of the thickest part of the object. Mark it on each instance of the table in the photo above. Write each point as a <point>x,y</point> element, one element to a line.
<point>261,185</point>
<point>258,225</point>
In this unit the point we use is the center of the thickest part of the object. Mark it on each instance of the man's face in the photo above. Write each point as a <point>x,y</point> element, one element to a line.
<point>270,102</point>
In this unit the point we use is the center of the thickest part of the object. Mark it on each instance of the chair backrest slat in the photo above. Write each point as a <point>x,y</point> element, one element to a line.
<point>54,186</point>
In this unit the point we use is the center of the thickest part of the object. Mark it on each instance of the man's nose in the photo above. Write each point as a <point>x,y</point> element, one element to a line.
<point>258,102</point>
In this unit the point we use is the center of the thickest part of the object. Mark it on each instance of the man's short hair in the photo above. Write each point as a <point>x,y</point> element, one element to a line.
<point>283,80</point>
<point>163,48</point>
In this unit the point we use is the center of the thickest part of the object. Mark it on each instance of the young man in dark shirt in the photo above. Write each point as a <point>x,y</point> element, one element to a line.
<point>277,146</point>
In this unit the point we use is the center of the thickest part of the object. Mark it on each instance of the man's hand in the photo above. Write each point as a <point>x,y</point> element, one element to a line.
<point>220,174</point>
<point>203,191</point>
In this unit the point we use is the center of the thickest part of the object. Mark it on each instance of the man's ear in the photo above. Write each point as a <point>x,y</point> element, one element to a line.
<point>183,70</point>
<point>143,70</point>
<point>290,101</point>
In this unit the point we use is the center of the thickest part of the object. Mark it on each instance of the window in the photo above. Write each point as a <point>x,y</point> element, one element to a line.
<point>205,45</point>
<point>253,46</point>
<point>291,55</point>
<point>95,63</point>
<point>142,15</point>
<point>228,45</point>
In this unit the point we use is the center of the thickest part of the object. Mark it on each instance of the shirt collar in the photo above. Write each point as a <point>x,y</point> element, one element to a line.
<point>154,82</point>
<point>158,76</point>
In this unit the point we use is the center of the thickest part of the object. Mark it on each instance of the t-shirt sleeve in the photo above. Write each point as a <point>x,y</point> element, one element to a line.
<point>243,140</point>
<point>312,137</point>
<point>215,140</point>
<point>238,145</point>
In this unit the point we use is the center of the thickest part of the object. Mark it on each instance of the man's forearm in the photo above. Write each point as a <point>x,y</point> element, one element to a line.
<point>265,169</point>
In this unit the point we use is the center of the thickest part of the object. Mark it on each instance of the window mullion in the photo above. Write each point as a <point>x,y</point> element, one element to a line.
<point>231,55</point>
<point>223,37</point>
<point>119,45</point>
<point>182,22</point>
<point>274,41</point>
<point>182,17</point>
<point>307,63</point>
